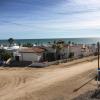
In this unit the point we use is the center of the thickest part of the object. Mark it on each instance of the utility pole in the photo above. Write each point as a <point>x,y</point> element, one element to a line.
<point>98,75</point>
<point>98,46</point>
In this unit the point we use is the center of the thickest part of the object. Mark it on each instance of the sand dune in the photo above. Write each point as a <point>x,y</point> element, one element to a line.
<point>27,83</point>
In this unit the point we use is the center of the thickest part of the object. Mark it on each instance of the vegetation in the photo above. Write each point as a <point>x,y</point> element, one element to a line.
<point>73,43</point>
<point>69,42</point>
<point>58,46</point>
<point>11,41</point>
<point>4,55</point>
<point>71,55</point>
<point>19,44</point>
<point>28,45</point>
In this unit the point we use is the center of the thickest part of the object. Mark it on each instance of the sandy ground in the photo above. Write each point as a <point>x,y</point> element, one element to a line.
<point>56,82</point>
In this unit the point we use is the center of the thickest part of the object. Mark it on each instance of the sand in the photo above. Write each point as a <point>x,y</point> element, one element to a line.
<point>55,82</point>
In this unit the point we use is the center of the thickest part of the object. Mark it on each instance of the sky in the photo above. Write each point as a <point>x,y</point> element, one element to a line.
<point>33,19</point>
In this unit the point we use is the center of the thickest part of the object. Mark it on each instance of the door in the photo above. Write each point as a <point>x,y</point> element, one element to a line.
<point>17,58</point>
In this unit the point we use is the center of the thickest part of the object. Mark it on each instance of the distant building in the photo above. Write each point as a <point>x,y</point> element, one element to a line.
<point>11,49</point>
<point>76,50</point>
<point>81,50</point>
<point>48,53</point>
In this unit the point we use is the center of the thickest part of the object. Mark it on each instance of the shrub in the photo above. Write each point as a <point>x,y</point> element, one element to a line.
<point>28,45</point>
<point>4,55</point>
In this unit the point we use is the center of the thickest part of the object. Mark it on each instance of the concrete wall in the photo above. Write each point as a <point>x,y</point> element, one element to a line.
<point>30,57</point>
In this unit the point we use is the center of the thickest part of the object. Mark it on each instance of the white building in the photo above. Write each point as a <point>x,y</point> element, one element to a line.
<point>82,50</point>
<point>12,48</point>
<point>76,49</point>
<point>34,54</point>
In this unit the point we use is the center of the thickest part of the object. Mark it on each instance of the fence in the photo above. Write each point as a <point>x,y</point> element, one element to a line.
<point>67,61</point>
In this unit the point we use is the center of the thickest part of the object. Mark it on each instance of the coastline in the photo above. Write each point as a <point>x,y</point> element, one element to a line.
<point>46,40</point>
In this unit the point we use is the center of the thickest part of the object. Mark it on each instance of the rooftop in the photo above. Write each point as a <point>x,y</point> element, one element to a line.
<point>32,50</point>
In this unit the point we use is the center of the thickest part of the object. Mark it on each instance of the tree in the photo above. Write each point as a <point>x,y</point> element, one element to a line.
<point>69,42</point>
<point>19,44</point>
<point>58,46</point>
<point>4,55</point>
<point>28,45</point>
<point>11,41</point>
<point>73,43</point>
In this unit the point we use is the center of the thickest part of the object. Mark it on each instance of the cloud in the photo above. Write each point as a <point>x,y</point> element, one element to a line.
<point>87,2</point>
<point>49,16</point>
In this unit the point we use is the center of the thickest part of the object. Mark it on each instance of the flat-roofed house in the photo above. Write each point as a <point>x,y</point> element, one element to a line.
<point>76,49</point>
<point>34,54</point>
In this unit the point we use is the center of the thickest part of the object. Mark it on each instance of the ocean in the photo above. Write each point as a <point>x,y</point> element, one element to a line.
<point>45,41</point>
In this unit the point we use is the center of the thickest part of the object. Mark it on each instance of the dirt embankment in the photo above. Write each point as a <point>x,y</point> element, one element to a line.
<point>53,83</point>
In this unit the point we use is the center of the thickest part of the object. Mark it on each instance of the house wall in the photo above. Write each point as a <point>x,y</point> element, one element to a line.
<point>30,57</point>
<point>76,50</point>
<point>65,52</point>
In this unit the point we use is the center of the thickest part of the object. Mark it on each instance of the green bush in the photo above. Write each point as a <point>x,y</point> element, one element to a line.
<point>4,55</point>
<point>28,45</point>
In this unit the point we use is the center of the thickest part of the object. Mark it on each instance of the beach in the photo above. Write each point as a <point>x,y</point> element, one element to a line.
<point>56,82</point>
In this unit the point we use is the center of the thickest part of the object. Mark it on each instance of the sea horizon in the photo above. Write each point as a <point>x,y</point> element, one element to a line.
<point>78,40</point>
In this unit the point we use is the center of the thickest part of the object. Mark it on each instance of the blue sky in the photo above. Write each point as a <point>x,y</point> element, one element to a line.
<point>49,18</point>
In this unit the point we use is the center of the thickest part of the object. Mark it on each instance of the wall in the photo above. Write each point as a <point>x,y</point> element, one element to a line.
<point>76,50</point>
<point>30,57</point>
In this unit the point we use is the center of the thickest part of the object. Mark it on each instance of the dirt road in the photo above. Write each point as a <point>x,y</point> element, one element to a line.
<point>52,83</point>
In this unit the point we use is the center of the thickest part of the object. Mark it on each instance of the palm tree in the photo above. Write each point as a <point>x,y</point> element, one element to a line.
<point>69,42</point>
<point>49,43</point>
<point>73,43</point>
<point>11,41</point>
<point>58,46</point>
